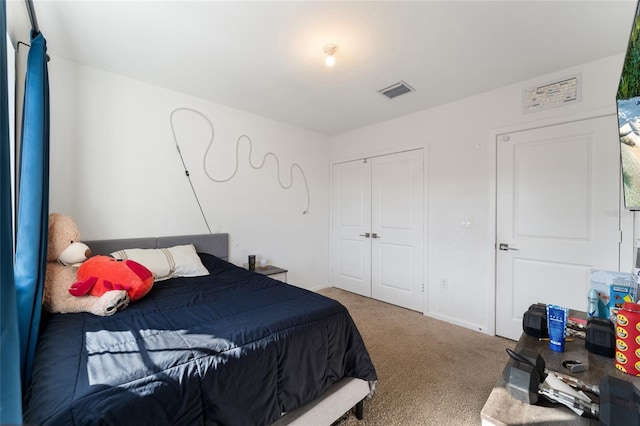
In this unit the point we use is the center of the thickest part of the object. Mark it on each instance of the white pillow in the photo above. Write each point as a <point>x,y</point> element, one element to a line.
<point>165,263</point>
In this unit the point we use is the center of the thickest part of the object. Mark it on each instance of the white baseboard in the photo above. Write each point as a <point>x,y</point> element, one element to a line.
<point>454,321</point>
<point>321,287</point>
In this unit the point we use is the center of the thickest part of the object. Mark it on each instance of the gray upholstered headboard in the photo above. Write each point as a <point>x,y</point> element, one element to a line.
<point>215,244</point>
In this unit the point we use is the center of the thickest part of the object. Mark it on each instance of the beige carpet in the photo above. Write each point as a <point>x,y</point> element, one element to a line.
<point>429,372</point>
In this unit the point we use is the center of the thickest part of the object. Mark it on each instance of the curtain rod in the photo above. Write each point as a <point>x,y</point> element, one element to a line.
<point>32,16</point>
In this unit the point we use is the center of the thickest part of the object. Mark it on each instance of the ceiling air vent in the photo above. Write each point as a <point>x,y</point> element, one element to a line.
<point>396,90</point>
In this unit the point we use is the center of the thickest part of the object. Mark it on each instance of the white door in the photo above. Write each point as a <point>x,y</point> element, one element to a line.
<point>397,229</point>
<point>351,227</point>
<point>377,228</point>
<point>557,216</point>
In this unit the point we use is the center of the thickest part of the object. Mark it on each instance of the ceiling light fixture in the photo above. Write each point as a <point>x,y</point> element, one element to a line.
<point>329,50</point>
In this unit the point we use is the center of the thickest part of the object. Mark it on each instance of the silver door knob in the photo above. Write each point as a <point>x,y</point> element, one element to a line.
<point>374,235</point>
<point>366,235</point>
<point>505,247</point>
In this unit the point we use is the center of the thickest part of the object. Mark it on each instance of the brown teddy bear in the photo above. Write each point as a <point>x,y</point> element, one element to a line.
<point>64,249</point>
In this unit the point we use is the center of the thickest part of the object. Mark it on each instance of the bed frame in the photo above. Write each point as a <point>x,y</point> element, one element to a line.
<point>347,394</point>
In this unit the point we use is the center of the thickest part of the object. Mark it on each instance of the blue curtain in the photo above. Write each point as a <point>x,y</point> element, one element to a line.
<point>10,389</point>
<point>33,203</point>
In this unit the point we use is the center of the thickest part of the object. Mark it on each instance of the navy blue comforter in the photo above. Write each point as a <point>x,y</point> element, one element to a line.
<point>232,348</point>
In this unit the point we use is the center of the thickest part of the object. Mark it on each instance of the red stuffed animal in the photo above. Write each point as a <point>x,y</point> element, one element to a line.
<point>101,274</point>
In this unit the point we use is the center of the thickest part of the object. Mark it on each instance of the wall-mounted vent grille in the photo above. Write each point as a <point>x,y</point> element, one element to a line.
<point>396,90</point>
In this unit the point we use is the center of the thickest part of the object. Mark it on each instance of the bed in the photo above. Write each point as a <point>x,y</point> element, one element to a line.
<point>230,348</point>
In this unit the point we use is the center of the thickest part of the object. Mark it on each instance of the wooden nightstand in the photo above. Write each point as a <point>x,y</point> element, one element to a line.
<point>272,271</point>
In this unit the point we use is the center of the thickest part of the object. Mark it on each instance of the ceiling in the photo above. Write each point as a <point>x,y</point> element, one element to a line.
<point>266,57</point>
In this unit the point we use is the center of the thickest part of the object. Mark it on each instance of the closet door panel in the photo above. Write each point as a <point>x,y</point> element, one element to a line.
<point>351,223</point>
<point>397,229</point>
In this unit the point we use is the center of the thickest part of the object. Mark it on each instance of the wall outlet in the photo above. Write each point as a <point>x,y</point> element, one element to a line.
<point>444,283</point>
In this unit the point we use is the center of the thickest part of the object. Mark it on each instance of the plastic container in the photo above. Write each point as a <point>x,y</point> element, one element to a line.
<point>628,339</point>
<point>592,303</point>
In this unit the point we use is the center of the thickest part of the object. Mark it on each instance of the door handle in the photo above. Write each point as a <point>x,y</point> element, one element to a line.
<point>366,235</point>
<point>374,235</point>
<point>505,247</point>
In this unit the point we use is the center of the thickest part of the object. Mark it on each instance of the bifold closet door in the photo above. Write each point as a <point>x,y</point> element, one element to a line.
<point>351,227</point>
<point>377,228</point>
<point>397,216</point>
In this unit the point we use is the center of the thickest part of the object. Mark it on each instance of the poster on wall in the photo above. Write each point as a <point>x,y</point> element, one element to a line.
<point>628,104</point>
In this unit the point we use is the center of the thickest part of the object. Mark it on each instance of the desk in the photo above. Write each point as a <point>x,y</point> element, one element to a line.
<point>502,409</point>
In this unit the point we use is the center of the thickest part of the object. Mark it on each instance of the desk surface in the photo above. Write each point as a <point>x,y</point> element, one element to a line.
<point>502,409</point>
<point>270,270</point>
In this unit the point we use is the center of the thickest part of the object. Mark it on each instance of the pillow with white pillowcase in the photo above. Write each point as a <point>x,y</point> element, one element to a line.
<point>165,263</point>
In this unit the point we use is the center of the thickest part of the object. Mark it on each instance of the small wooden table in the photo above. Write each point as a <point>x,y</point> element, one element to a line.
<point>272,270</point>
<point>502,409</point>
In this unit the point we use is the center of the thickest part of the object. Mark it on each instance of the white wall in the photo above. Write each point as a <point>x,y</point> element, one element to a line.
<point>116,170</point>
<point>460,147</point>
